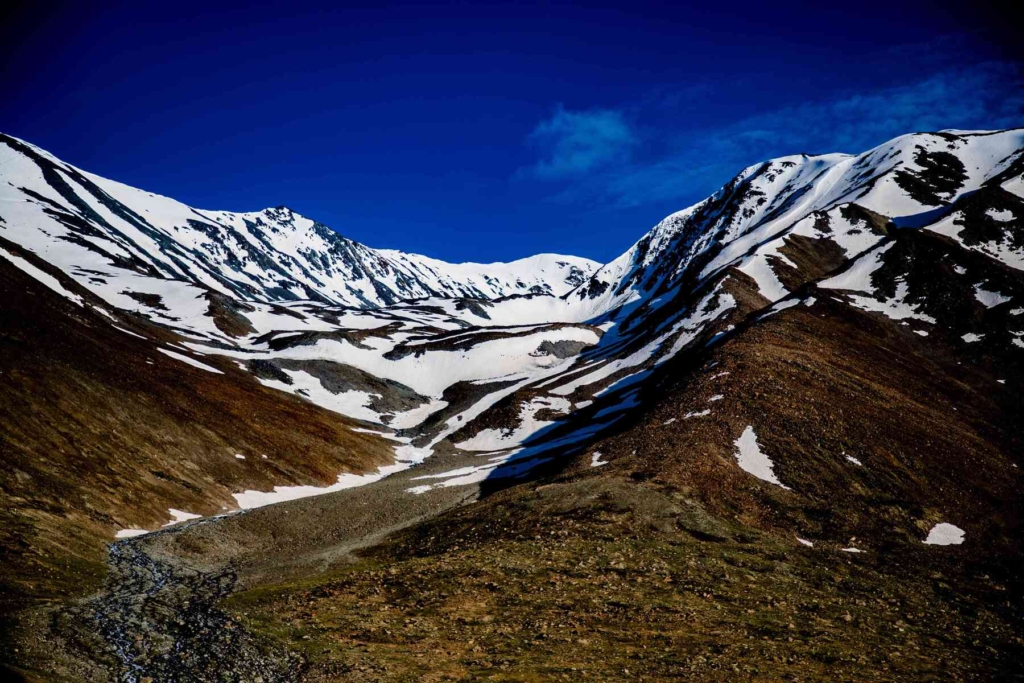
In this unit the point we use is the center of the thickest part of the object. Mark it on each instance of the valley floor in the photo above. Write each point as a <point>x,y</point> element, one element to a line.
<point>586,577</point>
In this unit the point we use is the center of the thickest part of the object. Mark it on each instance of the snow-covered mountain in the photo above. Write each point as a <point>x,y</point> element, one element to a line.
<point>823,361</point>
<point>101,232</point>
<point>524,360</point>
<point>909,180</point>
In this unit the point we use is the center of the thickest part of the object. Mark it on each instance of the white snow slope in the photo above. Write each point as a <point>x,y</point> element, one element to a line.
<point>81,222</point>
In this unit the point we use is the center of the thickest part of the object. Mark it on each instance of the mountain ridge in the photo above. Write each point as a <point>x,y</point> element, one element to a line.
<point>253,253</point>
<point>818,365</point>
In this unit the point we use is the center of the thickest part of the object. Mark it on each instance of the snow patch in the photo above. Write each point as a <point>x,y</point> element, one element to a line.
<point>989,299</point>
<point>945,534</point>
<point>255,499</point>
<point>896,308</point>
<point>121,329</point>
<point>752,460</point>
<point>190,361</point>
<point>179,516</point>
<point>780,306</point>
<point>857,278</point>
<point>130,533</point>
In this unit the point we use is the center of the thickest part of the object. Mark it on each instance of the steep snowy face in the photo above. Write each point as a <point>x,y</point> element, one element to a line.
<point>102,232</point>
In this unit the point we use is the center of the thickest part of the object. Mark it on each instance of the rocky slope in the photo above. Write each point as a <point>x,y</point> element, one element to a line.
<point>782,397</point>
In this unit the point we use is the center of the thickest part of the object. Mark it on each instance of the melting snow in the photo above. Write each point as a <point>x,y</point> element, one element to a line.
<point>852,550</point>
<point>701,413</point>
<point>751,459</point>
<point>256,499</point>
<point>130,533</point>
<point>352,403</point>
<point>780,306</point>
<point>191,361</point>
<point>896,308</point>
<point>857,277</point>
<point>121,329</point>
<point>414,417</point>
<point>945,534</point>
<point>852,459</point>
<point>989,299</point>
<point>500,439</point>
<point>596,461</point>
<point>805,542</point>
<point>42,277</point>
<point>180,516</point>
<point>970,337</point>
<point>1000,215</point>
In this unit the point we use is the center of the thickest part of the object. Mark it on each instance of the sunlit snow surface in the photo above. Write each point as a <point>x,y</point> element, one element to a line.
<point>255,499</point>
<point>177,517</point>
<point>751,459</point>
<point>43,277</point>
<point>190,361</point>
<point>945,534</point>
<point>130,533</point>
<point>987,298</point>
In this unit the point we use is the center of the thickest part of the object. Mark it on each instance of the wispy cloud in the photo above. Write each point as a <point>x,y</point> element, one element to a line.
<point>663,164</point>
<point>573,143</point>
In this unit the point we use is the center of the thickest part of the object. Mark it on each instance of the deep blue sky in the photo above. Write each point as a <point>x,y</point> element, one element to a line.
<point>472,131</point>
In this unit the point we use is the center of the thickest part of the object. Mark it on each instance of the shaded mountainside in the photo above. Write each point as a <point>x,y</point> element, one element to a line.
<point>726,454</point>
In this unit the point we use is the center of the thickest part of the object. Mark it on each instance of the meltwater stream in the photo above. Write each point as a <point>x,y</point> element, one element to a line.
<point>163,624</point>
